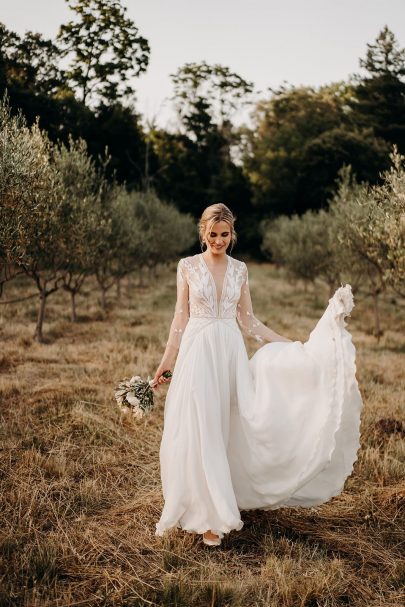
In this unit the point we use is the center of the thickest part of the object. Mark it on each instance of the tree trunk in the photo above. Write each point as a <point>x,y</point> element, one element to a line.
<point>103,291</point>
<point>73,315</point>
<point>129,284</point>
<point>377,326</point>
<point>141,282</point>
<point>38,335</point>
<point>146,178</point>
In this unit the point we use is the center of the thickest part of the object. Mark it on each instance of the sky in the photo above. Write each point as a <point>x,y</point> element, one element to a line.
<point>268,42</point>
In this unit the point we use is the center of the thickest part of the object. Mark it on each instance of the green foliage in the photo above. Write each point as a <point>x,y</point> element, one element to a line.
<point>31,233</point>
<point>80,184</point>
<point>48,200</point>
<point>118,242</point>
<point>166,232</point>
<point>119,129</point>
<point>321,159</point>
<point>390,227</point>
<point>194,176</point>
<point>30,62</point>
<point>379,100</point>
<point>305,245</point>
<point>208,94</point>
<point>301,138</point>
<point>361,238</point>
<point>370,226</point>
<point>28,195</point>
<point>104,48</point>
<point>61,220</point>
<point>196,167</point>
<point>384,57</point>
<point>30,72</point>
<point>137,230</point>
<point>35,84</point>
<point>286,165</point>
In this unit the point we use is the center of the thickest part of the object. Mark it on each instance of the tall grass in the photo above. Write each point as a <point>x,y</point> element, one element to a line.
<point>81,487</point>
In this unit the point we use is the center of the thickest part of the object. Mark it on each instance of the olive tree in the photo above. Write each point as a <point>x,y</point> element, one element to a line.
<point>80,184</point>
<point>48,224</point>
<point>123,238</point>
<point>19,171</point>
<point>388,224</point>
<point>30,230</point>
<point>136,230</point>
<point>305,245</point>
<point>369,224</point>
<point>166,232</point>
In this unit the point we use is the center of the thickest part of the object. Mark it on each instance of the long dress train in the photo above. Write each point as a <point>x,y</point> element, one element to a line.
<point>278,429</point>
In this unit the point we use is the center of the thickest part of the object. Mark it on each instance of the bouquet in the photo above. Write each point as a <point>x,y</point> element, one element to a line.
<point>136,395</point>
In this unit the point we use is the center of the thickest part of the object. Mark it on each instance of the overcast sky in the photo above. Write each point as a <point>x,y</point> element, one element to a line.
<point>269,42</point>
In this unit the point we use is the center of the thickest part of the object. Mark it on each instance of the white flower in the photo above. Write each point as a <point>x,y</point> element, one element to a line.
<point>131,398</point>
<point>138,413</point>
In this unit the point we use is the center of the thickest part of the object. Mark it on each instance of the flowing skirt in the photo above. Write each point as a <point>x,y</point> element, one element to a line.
<point>278,429</point>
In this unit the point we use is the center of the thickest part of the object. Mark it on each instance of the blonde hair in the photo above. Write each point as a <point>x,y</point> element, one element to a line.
<point>213,214</point>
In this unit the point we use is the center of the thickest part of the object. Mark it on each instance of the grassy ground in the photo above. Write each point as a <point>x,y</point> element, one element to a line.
<point>81,487</point>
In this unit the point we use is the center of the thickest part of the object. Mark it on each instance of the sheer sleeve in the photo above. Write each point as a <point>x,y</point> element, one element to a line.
<point>181,311</point>
<point>247,321</point>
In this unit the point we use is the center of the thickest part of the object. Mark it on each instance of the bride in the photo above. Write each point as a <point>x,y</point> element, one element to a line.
<point>278,429</point>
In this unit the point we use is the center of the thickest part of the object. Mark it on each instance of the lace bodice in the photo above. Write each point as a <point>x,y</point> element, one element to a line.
<point>197,297</point>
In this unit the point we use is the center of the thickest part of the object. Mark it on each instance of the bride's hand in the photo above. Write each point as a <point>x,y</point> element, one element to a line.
<point>158,378</point>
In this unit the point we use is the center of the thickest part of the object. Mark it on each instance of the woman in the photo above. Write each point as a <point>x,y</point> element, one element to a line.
<point>279,429</point>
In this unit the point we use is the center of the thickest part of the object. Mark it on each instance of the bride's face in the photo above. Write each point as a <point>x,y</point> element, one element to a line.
<point>219,237</point>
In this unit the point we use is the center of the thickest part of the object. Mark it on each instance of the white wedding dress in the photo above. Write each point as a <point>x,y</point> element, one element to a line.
<point>278,429</point>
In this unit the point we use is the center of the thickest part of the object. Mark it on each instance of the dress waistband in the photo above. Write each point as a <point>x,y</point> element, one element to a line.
<point>199,323</point>
<point>225,318</point>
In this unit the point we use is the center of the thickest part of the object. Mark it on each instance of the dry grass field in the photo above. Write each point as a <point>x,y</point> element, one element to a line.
<point>80,490</point>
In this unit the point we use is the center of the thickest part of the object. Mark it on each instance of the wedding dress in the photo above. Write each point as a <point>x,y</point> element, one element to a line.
<point>278,429</point>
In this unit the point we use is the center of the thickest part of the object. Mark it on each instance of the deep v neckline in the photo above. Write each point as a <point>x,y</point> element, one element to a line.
<point>217,301</point>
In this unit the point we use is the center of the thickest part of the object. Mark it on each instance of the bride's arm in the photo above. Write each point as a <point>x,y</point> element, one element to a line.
<point>248,322</point>
<point>180,317</point>
<point>179,322</point>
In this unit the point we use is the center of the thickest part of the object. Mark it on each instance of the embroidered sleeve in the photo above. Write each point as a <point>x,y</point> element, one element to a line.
<point>247,321</point>
<point>181,311</point>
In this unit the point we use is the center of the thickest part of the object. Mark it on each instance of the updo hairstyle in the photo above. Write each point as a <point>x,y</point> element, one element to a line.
<point>213,214</point>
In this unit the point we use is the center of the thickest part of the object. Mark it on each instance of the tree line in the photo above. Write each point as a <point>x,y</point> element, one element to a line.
<point>82,84</point>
